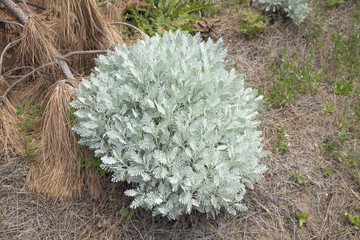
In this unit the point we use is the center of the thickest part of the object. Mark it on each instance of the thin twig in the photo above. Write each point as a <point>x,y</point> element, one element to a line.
<point>83,53</point>
<point>48,64</point>
<point>16,10</point>
<point>15,69</point>
<point>22,79</point>
<point>4,51</point>
<point>27,7</point>
<point>74,72</point>
<point>129,25</point>
<point>33,4</point>
<point>23,18</point>
<point>9,22</point>
<point>99,30</point>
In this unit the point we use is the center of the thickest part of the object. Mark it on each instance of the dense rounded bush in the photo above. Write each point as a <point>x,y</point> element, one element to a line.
<point>297,10</point>
<point>166,115</point>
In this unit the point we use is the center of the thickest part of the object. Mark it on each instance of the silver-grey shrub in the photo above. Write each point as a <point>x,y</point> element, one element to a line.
<point>165,115</point>
<point>297,10</point>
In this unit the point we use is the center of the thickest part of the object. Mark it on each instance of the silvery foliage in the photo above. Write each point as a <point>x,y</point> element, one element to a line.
<point>297,10</point>
<point>166,115</point>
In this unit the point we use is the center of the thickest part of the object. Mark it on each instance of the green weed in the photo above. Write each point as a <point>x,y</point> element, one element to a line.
<point>328,108</point>
<point>292,79</point>
<point>334,149</point>
<point>215,9</point>
<point>355,220</point>
<point>346,53</point>
<point>70,116</point>
<point>302,217</point>
<point>333,3</point>
<point>252,23</point>
<point>342,148</point>
<point>343,87</point>
<point>281,142</point>
<point>30,113</point>
<point>166,15</point>
<point>300,179</point>
<point>328,171</point>
<point>92,161</point>
<point>126,214</point>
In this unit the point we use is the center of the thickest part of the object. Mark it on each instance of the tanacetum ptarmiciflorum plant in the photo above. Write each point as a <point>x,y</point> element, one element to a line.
<point>166,115</point>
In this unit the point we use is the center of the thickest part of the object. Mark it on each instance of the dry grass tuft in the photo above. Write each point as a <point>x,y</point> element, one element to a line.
<point>81,22</point>
<point>56,171</point>
<point>36,90</point>
<point>37,40</point>
<point>64,27</point>
<point>80,26</point>
<point>10,136</point>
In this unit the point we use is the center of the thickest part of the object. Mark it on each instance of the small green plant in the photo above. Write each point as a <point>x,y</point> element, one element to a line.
<point>164,15</point>
<point>292,79</point>
<point>300,179</point>
<point>328,171</point>
<point>355,220</point>
<point>333,149</point>
<point>343,87</point>
<point>30,113</point>
<point>92,161</point>
<point>125,213</point>
<point>302,217</point>
<point>333,3</point>
<point>281,142</point>
<point>30,149</point>
<point>252,24</point>
<point>346,55</point>
<point>70,117</point>
<point>328,108</point>
<point>342,148</point>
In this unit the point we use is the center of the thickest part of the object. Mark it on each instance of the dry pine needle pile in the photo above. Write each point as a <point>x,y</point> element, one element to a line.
<point>35,70</point>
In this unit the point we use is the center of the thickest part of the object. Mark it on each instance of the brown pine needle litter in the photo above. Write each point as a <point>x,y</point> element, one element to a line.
<point>10,140</point>
<point>64,27</point>
<point>36,45</point>
<point>56,171</point>
<point>82,26</point>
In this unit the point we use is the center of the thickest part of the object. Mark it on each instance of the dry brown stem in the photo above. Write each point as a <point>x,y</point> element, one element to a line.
<point>46,65</point>
<point>36,41</point>
<point>4,51</point>
<point>32,4</point>
<point>15,10</point>
<point>3,97</point>
<point>9,22</point>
